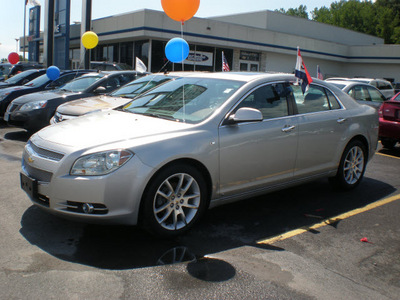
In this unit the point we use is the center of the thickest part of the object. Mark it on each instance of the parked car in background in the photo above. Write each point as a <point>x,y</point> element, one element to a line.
<point>109,66</point>
<point>40,83</point>
<point>4,70</point>
<point>362,92</point>
<point>196,142</point>
<point>22,78</point>
<point>389,122</point>
<point>383,85</point>
<point>113,100</point>
<point>23,66</point>
<point>34,111</point>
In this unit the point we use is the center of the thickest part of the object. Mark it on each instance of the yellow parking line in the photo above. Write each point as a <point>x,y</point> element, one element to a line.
<point>329,221</point>
<point>391,156</point>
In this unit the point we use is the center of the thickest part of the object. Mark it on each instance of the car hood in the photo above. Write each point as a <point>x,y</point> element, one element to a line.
<point>45,95</point>
<point>83,106</point>
<point>105,128</point>
<point>13,88</point>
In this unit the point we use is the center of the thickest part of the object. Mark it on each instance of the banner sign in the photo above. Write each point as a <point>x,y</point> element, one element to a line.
<point>199,58</point>
<point>34,34</point>
<point>61,33</point>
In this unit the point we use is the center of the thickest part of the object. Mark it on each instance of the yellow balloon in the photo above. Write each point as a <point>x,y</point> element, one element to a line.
<point>90,40</point>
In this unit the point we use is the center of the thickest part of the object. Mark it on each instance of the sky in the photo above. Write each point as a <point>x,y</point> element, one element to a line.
<point>12,12</point>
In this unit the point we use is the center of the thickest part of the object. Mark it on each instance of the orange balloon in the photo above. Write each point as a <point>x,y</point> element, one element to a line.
<point>180,10</point>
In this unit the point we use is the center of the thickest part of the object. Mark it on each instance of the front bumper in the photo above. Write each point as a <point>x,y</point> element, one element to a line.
<point>32,120</point>
<point>115,197</point>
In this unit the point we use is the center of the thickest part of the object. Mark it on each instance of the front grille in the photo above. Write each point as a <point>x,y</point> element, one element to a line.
<point>76,207</point>
<point>42,200</point>
<point>37,174</point>
<point>56,156</point>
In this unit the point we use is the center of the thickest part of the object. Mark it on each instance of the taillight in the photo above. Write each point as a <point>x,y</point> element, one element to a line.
<point>390,111</point>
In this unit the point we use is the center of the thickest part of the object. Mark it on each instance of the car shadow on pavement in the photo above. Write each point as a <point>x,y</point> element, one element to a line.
<point>392,152</point>
<point>223,228</point>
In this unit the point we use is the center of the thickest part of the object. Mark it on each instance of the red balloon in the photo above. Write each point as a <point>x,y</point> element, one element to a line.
<point>13,58</point>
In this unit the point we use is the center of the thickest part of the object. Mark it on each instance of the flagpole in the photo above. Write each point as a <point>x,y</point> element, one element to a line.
<point>24,29</point>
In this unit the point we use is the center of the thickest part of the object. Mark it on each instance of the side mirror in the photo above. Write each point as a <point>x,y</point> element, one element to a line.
<point>100,90</point>
<point>245,114</point>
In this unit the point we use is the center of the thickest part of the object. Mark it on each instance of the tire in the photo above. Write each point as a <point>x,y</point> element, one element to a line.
<point>352,166</point>
<point>388,143</point>
<point>174,200</point>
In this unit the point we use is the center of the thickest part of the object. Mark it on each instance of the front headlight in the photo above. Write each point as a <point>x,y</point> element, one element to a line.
<point>34,105</point>
<point>100,163</point>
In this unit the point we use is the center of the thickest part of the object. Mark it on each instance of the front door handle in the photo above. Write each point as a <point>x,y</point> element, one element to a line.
<point>341,120</point>
<point>288,128</point>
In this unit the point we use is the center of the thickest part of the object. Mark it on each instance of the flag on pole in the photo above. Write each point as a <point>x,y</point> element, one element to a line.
<point>319,74</point>
<point>140,66</point>
<point>225,66</point>
<point>302,73</point>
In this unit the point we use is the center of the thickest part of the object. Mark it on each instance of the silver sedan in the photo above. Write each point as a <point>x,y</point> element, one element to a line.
<point>197,142</point>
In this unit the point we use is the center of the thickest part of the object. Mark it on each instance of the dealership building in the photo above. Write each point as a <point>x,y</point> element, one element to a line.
<point>257,41</point>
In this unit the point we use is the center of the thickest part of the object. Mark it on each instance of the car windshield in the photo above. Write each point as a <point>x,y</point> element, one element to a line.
<point>82,83</point>
<point>139,86</point>
<point>39,81</point>
<point>189,100</point>
<point>19,76</point>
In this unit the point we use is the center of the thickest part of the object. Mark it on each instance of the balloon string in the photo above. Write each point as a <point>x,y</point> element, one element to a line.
<point>183,87</point>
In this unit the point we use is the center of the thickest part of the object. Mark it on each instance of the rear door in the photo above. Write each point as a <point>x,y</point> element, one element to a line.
<point>321,128</point>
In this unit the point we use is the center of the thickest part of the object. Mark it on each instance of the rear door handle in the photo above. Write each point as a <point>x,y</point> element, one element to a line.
<point>288,128</point>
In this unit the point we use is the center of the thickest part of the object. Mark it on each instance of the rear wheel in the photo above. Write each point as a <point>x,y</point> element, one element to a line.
<point>352,166</point>
<point>174,200</point>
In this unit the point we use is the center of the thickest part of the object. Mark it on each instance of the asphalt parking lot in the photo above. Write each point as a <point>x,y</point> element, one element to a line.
<point>307,242</point>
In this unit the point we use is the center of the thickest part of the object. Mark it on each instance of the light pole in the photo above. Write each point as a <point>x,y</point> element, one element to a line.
<point>16,48</point>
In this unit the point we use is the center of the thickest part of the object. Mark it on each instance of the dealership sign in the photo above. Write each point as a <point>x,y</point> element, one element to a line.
<point>200,58</point>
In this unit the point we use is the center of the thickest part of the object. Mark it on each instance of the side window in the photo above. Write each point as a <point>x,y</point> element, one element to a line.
<point>111,84</point>
<point>332,100</point>
<point>269,99</point>
<point>64,79</point>
<point>375,96</point>
<point>314,100</point>
<point>359,93</point>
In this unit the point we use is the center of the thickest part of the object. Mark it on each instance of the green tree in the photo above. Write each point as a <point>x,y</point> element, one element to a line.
<point>301,11</point>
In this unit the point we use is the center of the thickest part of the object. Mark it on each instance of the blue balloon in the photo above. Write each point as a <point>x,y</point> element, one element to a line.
<point>53,72</point>
<point>177,50</point>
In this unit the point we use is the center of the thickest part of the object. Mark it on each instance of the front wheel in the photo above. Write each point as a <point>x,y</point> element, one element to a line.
<point>352,166</point>
<point>174,200</point>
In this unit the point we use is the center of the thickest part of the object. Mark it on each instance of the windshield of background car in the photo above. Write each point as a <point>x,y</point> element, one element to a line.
<point>19,76</point>
<point>82,83</point>
<point>39,81</point>
<point>189,100</point>
<point>139,86</point>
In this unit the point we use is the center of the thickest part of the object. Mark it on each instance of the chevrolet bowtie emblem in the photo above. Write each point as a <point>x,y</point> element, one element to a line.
<point>30,159</point>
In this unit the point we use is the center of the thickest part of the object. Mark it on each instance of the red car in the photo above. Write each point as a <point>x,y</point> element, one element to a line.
<point>389,122</point>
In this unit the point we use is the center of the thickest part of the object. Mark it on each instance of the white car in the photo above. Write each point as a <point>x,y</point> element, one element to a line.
<point>383,85</point>
<point>196,142</point>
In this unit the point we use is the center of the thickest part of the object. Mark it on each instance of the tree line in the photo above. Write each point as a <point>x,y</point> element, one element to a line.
<point>381,18</point>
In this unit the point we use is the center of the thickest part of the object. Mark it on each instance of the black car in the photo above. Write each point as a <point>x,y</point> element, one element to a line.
<point>34,111</point>
<point>22,78</point>
<point>23,66</point>
<point>38,84</point>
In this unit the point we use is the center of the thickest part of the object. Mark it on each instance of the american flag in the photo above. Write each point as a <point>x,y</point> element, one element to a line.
<point>225,66</point>
<point>319,74</point>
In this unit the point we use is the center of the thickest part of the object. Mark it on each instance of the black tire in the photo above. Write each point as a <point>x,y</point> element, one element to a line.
<point>174,200</point>
<point>388,143</point>
<point>352,166</point>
